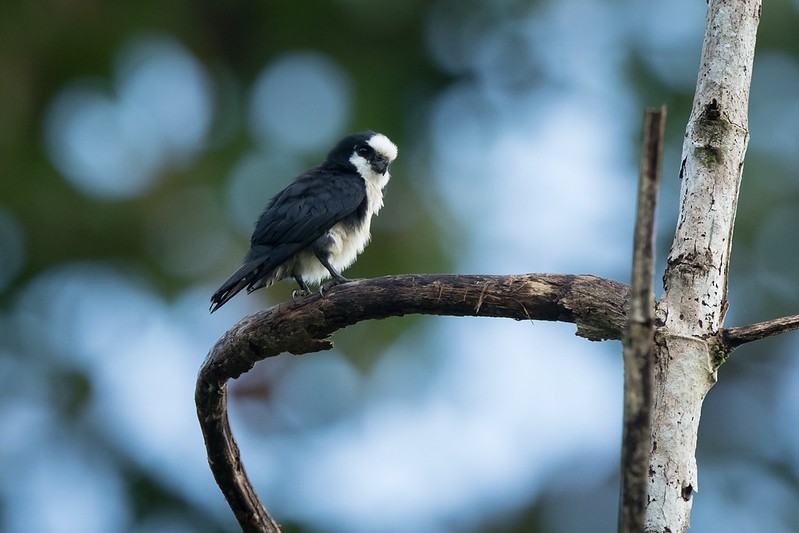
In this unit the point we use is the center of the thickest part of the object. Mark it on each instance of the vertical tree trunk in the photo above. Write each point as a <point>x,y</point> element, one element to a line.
<point>692,309</point>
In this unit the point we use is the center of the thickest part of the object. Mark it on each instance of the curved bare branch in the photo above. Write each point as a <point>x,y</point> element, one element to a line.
<point>596,305</point>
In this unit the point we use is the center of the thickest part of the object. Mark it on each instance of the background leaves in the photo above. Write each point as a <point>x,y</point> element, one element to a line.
<point>139,142</point>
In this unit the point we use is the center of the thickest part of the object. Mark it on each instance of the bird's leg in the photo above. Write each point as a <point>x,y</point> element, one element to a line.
<point>302,291</point>
<point>335,274</point>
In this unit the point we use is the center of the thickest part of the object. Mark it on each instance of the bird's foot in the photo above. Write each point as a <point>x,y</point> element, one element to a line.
<point>332,283</point>
<point>296,294</point>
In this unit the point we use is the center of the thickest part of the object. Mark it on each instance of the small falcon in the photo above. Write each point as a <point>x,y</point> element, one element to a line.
<point>317,226</point>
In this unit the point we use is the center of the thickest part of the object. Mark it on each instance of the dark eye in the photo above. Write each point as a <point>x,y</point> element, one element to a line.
<point>363,151</point>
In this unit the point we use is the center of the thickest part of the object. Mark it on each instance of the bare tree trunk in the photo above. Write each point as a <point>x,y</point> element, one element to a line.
<point>694,303</point>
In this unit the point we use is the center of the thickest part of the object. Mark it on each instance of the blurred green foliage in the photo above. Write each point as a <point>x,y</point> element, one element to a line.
<point>47,44</point>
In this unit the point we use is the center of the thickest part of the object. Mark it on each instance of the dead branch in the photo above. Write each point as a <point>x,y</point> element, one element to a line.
<point>734,337</point>
<point>596,305</point>
<point>639,336</point>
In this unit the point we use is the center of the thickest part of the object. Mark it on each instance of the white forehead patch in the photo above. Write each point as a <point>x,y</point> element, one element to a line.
<point>383,145</point>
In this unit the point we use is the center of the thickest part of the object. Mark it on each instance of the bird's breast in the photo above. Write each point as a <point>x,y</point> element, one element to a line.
<point>375,183</point>
<point>348,238</point>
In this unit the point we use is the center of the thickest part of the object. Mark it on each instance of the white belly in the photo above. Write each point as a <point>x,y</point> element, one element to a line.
<point>346,241</point>
<point>346,244</point>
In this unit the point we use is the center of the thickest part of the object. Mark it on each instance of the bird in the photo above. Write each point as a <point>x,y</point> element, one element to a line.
<point>316,227</point>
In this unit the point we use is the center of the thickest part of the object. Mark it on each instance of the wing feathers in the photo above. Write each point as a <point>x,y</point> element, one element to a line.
<point>246,275</point>
<point>293,220</point>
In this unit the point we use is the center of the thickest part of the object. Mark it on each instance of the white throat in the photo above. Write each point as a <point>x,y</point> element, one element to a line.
<point>375,182</point>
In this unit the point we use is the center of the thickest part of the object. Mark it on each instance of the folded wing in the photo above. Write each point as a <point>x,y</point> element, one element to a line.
<point>293,220</point>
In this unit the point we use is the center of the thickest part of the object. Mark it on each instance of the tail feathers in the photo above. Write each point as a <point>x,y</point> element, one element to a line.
<point>247,275</point>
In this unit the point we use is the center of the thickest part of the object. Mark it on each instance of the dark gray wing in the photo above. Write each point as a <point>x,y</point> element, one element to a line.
<point>295,218</point>
<point>307,208</point>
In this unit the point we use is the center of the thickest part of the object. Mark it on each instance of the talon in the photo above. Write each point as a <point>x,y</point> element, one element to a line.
<point>296,294</point>
<point>332,283</point>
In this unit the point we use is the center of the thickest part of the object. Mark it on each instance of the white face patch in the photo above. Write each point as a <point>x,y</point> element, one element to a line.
<point>375,183</point>
<point>362,166</point>
<point>383,146</point>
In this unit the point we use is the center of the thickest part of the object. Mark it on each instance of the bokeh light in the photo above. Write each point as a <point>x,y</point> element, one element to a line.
<point>12,244</point>
<point>183,235</point>
<point>301,101</point>
<point>114,140</point>
<point>152,140</point>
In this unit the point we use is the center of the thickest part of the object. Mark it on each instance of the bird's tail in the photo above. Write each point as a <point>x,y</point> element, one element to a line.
<point>246,276</point>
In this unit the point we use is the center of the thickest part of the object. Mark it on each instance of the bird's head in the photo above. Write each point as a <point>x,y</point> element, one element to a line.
<point>369,152</point>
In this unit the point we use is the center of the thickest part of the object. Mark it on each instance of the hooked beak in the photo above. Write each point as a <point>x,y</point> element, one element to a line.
<point>380,164</point>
